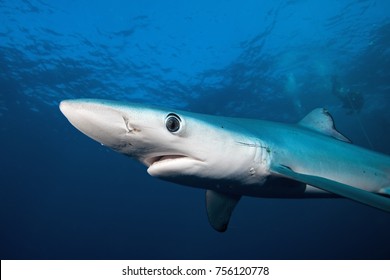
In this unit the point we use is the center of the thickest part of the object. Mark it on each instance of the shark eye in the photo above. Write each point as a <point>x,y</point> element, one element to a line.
<point>173,122</point>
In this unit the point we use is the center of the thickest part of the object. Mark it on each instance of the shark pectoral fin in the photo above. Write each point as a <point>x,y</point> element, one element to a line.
<point>219,208</point>
<point>347,191</point>
<point>385,191</point>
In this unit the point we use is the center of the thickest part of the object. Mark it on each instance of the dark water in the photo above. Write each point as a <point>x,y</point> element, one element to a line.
<point>63,196</point>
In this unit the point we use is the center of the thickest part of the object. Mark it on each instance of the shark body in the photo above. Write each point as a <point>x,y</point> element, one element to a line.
<point>233,157</point>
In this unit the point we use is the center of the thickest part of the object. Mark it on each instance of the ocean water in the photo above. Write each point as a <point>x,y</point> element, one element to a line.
<point>64,196</point>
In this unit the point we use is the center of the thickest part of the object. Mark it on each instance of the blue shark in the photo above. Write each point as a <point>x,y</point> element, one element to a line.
<point>235,157</point>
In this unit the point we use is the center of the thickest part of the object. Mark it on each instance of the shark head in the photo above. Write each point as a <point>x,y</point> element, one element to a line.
<point>183,147</point>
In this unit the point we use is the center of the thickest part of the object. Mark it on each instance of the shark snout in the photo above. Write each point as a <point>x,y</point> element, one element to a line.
<point>66,107</point>
<point>102,122</point>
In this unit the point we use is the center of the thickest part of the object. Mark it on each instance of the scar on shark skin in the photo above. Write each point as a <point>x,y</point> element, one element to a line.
<point>128,126</point>
<point>254,146</point>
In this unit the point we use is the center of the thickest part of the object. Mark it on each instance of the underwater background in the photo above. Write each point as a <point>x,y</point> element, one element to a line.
<point>64,196</point>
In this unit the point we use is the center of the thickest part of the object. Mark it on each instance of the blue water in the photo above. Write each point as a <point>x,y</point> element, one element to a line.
<point>64,196</point>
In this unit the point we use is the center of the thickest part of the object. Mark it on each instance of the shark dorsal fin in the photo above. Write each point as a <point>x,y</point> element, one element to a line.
<point>321,121</point>
<point>219,208</point>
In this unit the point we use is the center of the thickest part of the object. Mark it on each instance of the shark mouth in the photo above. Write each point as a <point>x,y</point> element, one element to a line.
<point>163,159</point>
<point>171,165</point>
